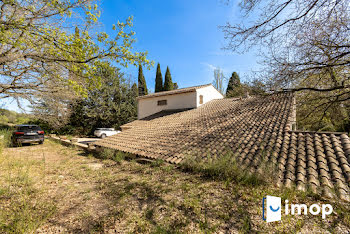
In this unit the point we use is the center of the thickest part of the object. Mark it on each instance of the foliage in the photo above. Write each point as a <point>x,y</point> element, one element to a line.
<point>237,89</point>
<point>159,80</point>
<point>176,86</point>
<point>41,51</point>
<point>142,90</point>
<point>135,92</point>
<point>110,105</point>
<point>168,83</point>
<point>234,86</point>
<point>12,117</point>
<point>311,117</point>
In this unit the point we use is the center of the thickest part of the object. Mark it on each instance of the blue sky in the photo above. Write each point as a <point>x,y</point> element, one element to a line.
<point>181,34</point>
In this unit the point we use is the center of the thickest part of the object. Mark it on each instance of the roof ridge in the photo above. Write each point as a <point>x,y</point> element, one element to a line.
<point>174,91</point>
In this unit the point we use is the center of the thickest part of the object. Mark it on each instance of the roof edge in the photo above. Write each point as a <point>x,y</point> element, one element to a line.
<point>174,92</point>
<point>316,132</point>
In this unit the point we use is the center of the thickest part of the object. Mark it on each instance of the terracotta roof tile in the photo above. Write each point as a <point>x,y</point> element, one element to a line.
<point>252,128</point>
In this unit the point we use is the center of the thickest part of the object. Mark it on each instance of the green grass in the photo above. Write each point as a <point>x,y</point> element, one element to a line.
<point>22,210</point>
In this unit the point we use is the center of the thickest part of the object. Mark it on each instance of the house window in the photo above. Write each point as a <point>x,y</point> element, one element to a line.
<point>162,102</point>
<point>200,99</point>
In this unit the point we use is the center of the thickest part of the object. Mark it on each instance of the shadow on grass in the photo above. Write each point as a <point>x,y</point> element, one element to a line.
<point>141,202</point>
<point>162,208</point>
<point>147,198</point>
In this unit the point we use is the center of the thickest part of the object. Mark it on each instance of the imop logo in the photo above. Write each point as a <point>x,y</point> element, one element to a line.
<point>273,208</point>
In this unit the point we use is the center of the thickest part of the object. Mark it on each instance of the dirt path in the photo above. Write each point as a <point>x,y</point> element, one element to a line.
<point>51,188</point>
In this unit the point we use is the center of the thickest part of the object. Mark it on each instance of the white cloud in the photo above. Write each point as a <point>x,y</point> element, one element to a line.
<point>209,66</point>
<point>221,53</point>
<point>212,67</point>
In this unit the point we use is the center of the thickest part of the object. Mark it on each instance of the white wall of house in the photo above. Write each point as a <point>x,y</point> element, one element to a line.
<point>149,106</point>
<point>209,93</point>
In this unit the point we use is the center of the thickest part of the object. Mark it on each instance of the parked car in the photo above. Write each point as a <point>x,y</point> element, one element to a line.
<point>104,132</point>
<point>27,133</point>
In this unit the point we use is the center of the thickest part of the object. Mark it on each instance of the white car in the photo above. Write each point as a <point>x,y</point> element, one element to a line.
<point>104,132</point>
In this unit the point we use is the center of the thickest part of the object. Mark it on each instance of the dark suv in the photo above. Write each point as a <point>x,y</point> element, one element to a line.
<point>27,134</point>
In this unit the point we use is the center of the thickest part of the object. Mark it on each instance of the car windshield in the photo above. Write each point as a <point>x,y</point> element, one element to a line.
<point>28,128</point>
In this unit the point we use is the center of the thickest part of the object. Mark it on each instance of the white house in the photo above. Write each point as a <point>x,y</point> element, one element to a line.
<point>179,99</point>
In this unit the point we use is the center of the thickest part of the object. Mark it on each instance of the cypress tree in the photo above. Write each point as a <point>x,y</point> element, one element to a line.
<point>159,80</point>
<point>134,90</point>
<point>142,83</point>
<point>168,83</point>
<point>234,87</point>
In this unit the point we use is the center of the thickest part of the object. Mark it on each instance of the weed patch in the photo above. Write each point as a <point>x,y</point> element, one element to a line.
<point>224,168</point>
<point>112,154</point>
<point>22,208</point>
<point>5,139</point>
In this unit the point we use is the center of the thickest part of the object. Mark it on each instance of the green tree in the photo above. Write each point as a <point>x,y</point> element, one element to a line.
<point>234,86</point>
<point>142,90</point>
<point>168,83</point>
<point>176,86</point>
<point>159,80</point>
<point>39,46</point>
<point>135,90</point>
<point>110,105</point>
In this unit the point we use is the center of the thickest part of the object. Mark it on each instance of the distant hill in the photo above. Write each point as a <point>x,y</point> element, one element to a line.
<point>8,117</point>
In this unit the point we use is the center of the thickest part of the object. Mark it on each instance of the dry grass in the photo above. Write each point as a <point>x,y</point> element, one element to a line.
<point>50,188</point>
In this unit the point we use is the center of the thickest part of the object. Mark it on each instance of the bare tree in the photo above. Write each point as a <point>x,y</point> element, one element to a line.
<point>219,80</point>
<point>299,39</point>
<point>304,45</point>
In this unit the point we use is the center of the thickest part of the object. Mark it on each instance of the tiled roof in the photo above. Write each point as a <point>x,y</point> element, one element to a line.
<point>313,161</point>
<point>257,130</point>
<point>175,91</point>
<point>165,113</point>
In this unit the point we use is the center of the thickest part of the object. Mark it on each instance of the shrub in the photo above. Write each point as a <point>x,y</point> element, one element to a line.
<point>224,167</point>
<point>5,140</point>
<point>119,156</point>
<point>106,153</point>
<point>157,163</point>
<point>111,154</point>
